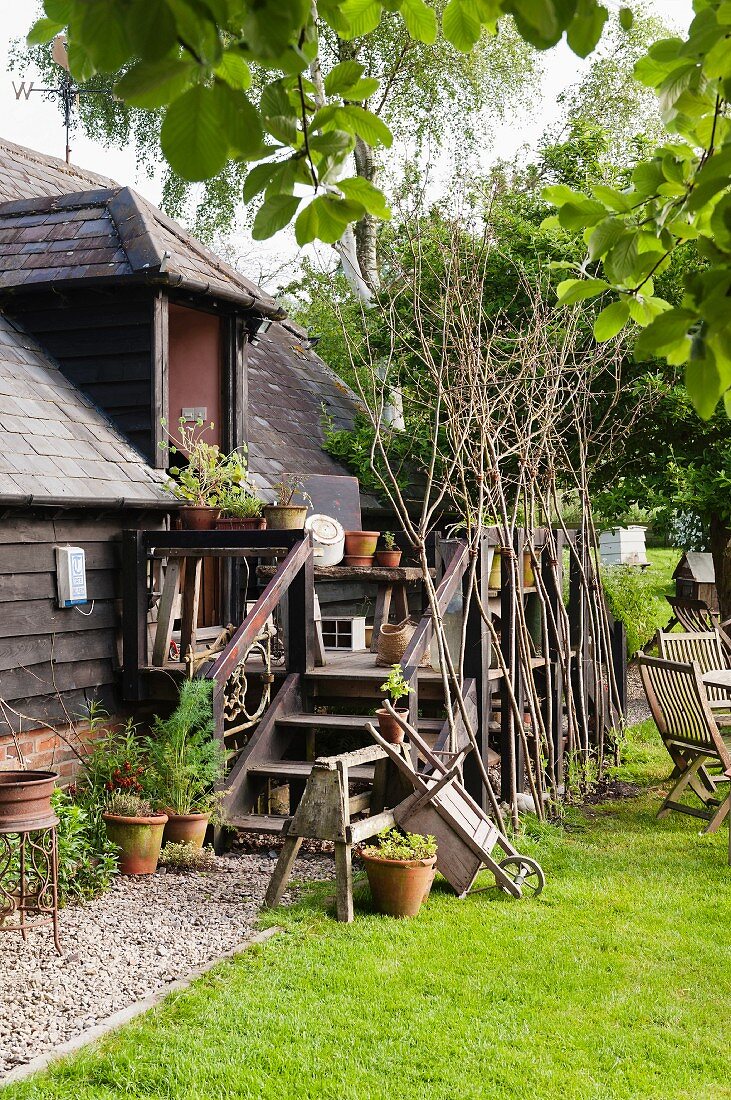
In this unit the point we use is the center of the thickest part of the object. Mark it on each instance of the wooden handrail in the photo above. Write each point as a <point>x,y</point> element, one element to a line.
<point>446,589</point>
<point>252,625</point>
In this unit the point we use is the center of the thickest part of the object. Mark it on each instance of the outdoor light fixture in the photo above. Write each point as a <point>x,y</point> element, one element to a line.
<point>257,326</point>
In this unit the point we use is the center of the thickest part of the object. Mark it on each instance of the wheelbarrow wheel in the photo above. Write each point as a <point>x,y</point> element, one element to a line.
<point>526,874</point>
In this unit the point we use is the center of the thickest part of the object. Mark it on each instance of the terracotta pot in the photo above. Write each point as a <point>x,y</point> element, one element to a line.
<point>390,729</point>
<point>25,799</point>
<point>195,518</point>
<point>353,559</point>
<point>495,578</point>
<point>399,887</point>
<point>139,840</point>
<point>289,517</point>
<point>391,559</point>
<point>368,636</point>
<point>186,829</point>
<point>529,577</point>
<point>361,544</point>
<point>241,523</point>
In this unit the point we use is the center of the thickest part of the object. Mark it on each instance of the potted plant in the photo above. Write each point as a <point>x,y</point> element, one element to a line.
<point>360,546</point>
<point>205,478</point>
<point>285,515</point>
<point>240,511</point>
<point>396,687</point>
<point>400,870</point>
<point>136,828</point>
<point>391,555</point>
<point>185,764</point>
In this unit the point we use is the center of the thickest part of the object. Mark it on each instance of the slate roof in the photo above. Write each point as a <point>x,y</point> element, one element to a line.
<point>700,565</point>
<point>26,174</point>
<point>288,386</point>
<point>112,233</point>
<point>56,446</point>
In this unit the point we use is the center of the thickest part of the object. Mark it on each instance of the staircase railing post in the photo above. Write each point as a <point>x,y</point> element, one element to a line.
<point>300,640</point>
<point>134,613</point>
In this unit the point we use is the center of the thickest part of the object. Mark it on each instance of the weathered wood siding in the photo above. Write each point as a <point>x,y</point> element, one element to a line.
<point>54,660</point>
<point>103,341</point>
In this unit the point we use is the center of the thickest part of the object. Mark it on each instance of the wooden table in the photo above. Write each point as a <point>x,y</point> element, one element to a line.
<point>718,677</point>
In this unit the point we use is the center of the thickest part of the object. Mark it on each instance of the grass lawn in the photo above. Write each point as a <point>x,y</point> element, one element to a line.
<point>610,985</point>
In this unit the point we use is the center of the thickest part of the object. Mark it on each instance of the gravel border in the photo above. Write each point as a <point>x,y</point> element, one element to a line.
<point>127,945</point>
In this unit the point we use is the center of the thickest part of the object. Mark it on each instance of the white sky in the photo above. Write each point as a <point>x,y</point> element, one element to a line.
<point>36,122</point>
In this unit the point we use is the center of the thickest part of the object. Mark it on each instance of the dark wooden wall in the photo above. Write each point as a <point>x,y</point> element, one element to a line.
<point>103,342</point>
<point>47,651</point>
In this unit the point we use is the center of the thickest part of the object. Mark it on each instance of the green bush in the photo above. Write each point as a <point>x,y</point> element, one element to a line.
<point>631,599</point>
<point>86,859</point>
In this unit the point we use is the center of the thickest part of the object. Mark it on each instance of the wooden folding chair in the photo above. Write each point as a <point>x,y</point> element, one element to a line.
<point>707,650</point>
<point>679,704</point>
<point>465,835</point>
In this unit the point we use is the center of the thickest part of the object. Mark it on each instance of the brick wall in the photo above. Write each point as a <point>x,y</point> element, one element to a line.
<point>49,749</point>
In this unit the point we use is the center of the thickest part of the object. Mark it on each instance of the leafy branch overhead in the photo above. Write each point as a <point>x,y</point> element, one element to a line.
<point>679,197</point>
<point>193,58</point>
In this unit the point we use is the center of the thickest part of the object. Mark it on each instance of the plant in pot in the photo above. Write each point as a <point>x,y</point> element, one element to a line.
<point>396,688</point>
<point>390,556</point>
<point>205,477</point>
<point>241,510</point>
<point>285,514</point>
<point>400,870</point>
<point>360,546</point>
<point>136,829</point>
<point>186,763</point>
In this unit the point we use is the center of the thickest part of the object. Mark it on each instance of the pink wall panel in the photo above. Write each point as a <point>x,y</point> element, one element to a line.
<point>194,366</point>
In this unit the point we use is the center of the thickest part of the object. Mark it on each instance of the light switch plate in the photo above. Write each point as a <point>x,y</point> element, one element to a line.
<point>198,412</point>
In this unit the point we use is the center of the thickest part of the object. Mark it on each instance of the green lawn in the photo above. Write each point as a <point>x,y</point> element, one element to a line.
<point>610,985</point>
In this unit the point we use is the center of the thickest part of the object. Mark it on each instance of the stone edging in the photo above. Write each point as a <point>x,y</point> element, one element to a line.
<point>125,1015</point>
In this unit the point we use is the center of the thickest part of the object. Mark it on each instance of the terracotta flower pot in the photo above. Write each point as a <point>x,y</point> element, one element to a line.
<point>195,518</point>
<point>241,523</point>
<point>139,840</point>
<point>361,544</point>
<point>290,517</point>
<point>399,887</point>
<point>186,829</point>
<point>390,729</point>
<point>362,563</point>
<point>391,559</point>
<point>25,799</point>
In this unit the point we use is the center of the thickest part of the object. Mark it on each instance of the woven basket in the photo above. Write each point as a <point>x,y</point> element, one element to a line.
<point>393,641</point>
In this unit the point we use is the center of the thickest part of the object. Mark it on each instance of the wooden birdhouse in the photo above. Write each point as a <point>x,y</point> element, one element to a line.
<point>695,579</point>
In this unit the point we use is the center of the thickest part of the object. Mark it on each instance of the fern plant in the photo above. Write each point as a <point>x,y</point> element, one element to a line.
<point>186,761</point>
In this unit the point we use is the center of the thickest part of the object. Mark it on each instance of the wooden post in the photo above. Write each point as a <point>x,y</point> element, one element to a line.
<point>476,665</point>
<point>300,640</point>
<point>510,741</point>
<point>553,704</point>
<point>134,613</point>
<point>578,626</point>
<point>619,660</point>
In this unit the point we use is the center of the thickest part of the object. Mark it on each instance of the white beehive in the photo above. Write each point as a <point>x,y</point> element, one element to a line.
<point>623,546</point>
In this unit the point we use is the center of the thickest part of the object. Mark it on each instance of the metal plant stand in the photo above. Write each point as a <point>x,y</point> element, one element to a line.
<point>29,878</point>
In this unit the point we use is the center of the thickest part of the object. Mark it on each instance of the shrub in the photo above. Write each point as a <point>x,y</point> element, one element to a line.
<point>123,804</point>
<point>393,844</point>
<point>184,857</point>
<point>631,600</point>
<point>86,864</point>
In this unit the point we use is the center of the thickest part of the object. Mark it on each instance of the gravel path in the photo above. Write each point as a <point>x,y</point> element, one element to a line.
<point>637,708</point>
<point>142,934</point>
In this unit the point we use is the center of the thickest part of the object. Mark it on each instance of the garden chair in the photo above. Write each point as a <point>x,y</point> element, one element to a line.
<point>441,807</point>
<point>696,616</point>
<point>707,650</point>
<point>679,704</point>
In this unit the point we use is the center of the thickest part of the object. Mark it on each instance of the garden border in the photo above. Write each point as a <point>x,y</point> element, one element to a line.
<point>126,1015</point>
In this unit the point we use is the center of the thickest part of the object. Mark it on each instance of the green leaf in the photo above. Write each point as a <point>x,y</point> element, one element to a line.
<point>356,120</point>
<point>151,29</point>
<point>234,71</point>
<point>611,321</point>
<point>333,143</point>
<point>193,134</point>
<point>327,219</point>
<point>622,257</point>
<point>576,290</point>
<point>59,11</point>
<point>241,121</point>
<point>197,29</point>
<point>342,77</point>
<point>666,333</point>
<point>273,215</point>
<point>420,20</point>
<point>647,177</point>
<point>626,18</point>
<point>104,34</point>
<point>586,27</point>
<point>363,89</point>
<point>364,192</point>
<point>460,25</point>
<point>42,31</point>
<point>645,310</point>
<point>155,83</point>
<point>258,178</point>
<point>559,193</point>
<point>363,16</point>
<point>703,384</point>
<point>604,236</point>
<point>305,227</point>
<point>577,215</point>
<point>615,200</point>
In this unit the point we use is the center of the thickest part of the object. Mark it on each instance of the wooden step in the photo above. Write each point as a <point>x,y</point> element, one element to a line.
<point>301,769</point>
<point>259,823</point>
<point>348,722</point>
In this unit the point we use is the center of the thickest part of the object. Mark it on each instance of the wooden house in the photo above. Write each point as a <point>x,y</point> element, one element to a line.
<point>113,318</point>
<point>695,579</point>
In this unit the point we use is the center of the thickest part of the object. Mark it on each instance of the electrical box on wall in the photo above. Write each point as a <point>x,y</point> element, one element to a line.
<point>71,576</point>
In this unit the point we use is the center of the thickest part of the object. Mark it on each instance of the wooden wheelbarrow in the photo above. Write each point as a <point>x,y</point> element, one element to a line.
<point>466,836</point>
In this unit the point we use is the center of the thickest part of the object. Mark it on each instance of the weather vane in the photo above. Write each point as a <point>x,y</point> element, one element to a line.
<point>66,90</point>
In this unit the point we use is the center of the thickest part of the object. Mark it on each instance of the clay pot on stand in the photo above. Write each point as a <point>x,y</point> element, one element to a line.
<point>186,829</point>
<point>361,544</point>
<point>391,731</point>
<point>285,517</point>
<point>139,840</point>
<point>361,563</point>
<point>195,517</point>
<point>399,887</point>
<point>25,798</point>
<point>245,523</point>
<point>390,559</point>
